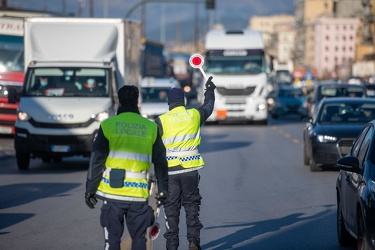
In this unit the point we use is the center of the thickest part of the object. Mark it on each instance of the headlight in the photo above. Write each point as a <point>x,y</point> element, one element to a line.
<point>3,91</point>
<point>23,116</point>
<point>262,107</point>
<point>270,101</point>
<point>326,138</point>
<point>101,116</point>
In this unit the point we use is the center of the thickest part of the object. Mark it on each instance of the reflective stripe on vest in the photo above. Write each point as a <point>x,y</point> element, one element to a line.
<point>131,138</point>
<point>181,137</point>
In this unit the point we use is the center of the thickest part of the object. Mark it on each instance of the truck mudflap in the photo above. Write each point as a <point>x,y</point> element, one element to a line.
<point>52,145</point>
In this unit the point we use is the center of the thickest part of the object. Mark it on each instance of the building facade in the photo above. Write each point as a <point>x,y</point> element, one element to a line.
<point>335,46</point>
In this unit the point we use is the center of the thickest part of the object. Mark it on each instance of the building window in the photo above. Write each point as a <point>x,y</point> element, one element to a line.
<point>336,49</point>
<point>327,38</point>
<point>327,48</point>
<point>343,49</point>
<point>326,59</point>
<point>344,38</point>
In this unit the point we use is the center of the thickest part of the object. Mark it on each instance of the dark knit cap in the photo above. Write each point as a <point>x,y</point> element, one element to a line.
<point>176,96</point>
<point>128,95</point>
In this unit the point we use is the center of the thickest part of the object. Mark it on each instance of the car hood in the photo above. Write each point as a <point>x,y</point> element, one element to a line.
<point>339,130</point>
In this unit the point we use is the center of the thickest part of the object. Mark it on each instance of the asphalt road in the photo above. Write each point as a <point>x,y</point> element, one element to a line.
<point>257,194</point>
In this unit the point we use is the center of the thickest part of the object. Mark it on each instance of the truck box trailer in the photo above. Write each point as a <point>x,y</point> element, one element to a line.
<point>86,61</point>
<point>12,62</point>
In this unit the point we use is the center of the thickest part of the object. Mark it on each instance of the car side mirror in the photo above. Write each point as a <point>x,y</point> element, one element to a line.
<point>12,95</point>
<point>349,163</point>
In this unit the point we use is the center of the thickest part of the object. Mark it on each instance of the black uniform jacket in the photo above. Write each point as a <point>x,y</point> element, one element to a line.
<point>100,151</point>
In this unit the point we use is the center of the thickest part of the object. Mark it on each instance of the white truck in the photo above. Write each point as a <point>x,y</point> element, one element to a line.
<point>86,60</point>
<point>237,62</point>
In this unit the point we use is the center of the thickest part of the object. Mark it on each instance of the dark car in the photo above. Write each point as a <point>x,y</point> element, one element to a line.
<point>285,100</point>
<point>331,89</point>
<point>333,128</point>
<point>355,187</point>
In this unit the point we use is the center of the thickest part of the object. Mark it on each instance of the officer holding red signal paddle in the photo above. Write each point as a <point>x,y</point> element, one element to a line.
<point>180,131</point>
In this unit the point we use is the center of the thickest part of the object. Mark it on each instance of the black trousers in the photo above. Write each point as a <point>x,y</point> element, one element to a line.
<point>138,218</point>
<point>183,190</point>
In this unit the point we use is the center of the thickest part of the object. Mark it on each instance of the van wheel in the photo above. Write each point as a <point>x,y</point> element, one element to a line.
<point>23,160</point>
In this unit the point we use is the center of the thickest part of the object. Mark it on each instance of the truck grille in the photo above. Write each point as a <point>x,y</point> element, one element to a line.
<point>225,91</point>
<point>8,111</point>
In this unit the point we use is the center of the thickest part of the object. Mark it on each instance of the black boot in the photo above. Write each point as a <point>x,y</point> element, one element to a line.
<point>194,246</point>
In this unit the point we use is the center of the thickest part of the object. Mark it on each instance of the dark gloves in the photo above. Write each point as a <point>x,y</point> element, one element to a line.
<point>210,85</point>
<point>90,200</point>
<point>161,198</point>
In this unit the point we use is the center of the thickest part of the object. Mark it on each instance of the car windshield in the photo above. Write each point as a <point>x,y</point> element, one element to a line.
<point>57,82</point>
<point>154,94</point>
<point>291,93</point>
<point>343,91</point>
<point>347,113</point>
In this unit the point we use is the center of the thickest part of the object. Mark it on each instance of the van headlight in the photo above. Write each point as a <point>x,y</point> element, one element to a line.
<point>101,116</point>
<point>261,107</point>
<point>23,116</point>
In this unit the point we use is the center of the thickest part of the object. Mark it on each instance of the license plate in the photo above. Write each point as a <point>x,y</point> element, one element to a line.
<point>60,148</point>
<point>5,130</point>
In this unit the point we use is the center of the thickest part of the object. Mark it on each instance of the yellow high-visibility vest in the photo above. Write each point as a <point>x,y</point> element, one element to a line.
<point>131,138</point>
<point>182,137</point>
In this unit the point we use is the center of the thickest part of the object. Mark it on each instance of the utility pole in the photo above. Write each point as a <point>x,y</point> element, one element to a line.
<point>4,4</point>
<point>196,33</point>
<point>91,7</point>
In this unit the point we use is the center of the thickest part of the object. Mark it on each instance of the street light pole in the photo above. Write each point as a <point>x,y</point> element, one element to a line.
<point>4,4</point>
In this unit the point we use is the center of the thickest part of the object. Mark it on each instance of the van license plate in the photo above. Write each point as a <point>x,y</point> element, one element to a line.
<point>60,148</point>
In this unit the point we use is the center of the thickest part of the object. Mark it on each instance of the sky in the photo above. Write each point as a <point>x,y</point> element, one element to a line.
<point>168,21</point>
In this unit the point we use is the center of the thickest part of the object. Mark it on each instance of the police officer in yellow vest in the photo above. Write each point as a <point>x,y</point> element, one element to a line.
<point>123,150</point>
<point>180,131</point>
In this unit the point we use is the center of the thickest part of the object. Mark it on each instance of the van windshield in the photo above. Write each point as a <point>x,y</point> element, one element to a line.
<point>55,82</point>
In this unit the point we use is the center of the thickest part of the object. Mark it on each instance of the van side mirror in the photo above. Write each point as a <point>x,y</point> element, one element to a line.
<point>12,95</point>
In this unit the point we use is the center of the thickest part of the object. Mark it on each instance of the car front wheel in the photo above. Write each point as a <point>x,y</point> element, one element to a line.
<point>362,243</point>
<point>306,159</point>
<point>314,167</point>
<point>343,236</point>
